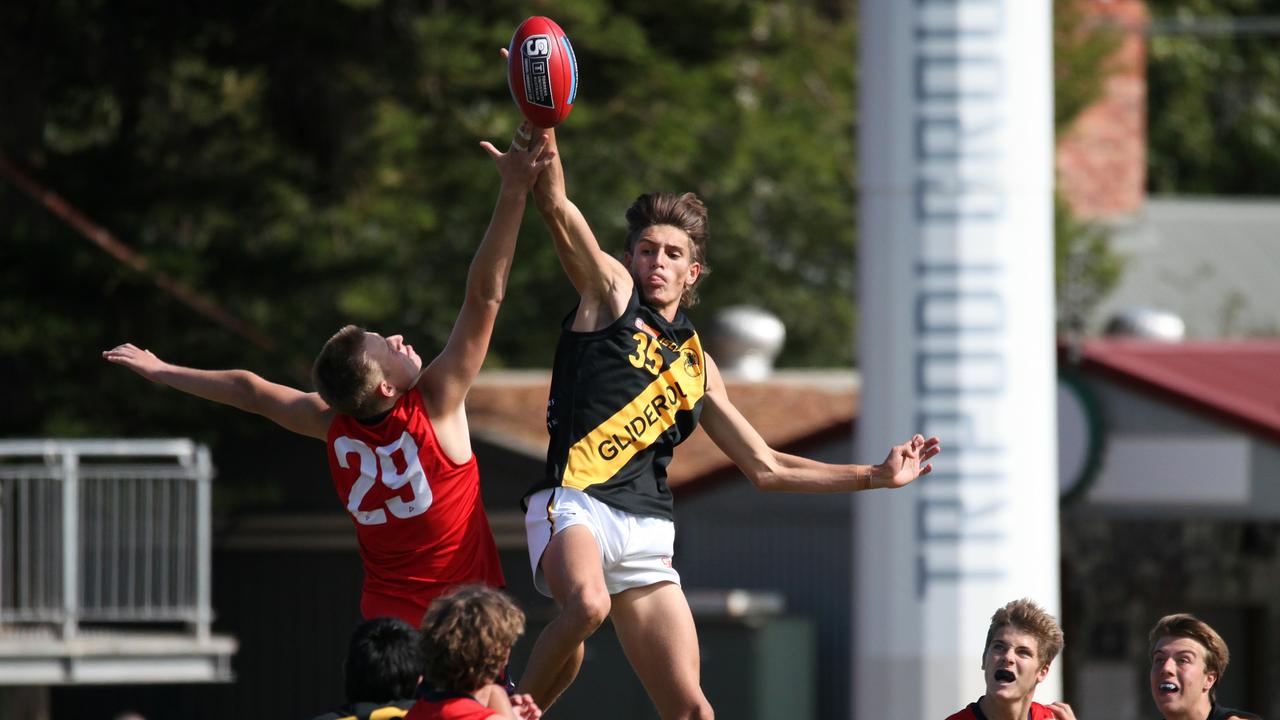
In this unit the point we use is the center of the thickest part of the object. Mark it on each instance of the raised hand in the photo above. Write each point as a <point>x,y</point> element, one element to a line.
<point>524,160</point>
<point>524,707</point>
<point>906,462</point>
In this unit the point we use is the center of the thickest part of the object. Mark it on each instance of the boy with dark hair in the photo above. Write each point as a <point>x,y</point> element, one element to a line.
<point>1188,658</point>
<point>396,432</point>
<point>381,671</point>
<point>1022,641</point>
<point>467,636</point>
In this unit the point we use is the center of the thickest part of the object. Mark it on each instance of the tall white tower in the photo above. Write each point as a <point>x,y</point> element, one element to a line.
<point>956,340</point>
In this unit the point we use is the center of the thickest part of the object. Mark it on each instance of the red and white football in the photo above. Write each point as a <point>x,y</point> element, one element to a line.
<point>542,72</point>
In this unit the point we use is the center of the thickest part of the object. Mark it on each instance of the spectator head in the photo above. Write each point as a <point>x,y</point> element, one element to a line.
<point>383,661</point>
<point>1188,658</point>
<point>467,636</point>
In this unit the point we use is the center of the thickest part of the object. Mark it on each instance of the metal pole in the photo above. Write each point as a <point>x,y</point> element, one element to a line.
<point>70,543</point>
<point>204,543</point>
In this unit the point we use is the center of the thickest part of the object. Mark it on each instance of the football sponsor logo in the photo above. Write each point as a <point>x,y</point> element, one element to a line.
<point>651,418</point>
<point>535,54</point>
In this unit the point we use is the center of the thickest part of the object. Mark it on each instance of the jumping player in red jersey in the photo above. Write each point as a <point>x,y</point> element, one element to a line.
<point>396,432</point>
<point>467,636</point>
<point>1022,642</point>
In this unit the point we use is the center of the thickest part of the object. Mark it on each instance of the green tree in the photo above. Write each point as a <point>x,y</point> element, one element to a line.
<point>1213,84</point>
<point>309,165</point>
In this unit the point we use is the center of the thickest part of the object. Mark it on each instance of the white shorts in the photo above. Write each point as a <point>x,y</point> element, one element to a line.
<point>635,550</point>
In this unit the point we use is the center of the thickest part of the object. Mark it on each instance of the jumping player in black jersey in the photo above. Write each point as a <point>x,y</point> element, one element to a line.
<point>631,381</point>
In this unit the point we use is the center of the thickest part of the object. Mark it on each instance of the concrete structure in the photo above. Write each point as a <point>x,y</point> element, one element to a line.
<point>1214,262</point>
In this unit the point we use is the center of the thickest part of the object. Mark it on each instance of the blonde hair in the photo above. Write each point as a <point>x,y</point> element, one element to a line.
<point>1032,619</point>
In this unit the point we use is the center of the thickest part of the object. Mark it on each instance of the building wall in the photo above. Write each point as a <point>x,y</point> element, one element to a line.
<point>1197,467</point>
<point>1102,157</point>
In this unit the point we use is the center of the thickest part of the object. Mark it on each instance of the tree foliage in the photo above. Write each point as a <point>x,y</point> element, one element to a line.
<point>308,165</point>
<point>1214,89</point>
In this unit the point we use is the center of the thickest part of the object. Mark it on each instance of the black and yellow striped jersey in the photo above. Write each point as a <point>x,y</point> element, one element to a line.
<point>370,711</point>
<point>621,399</point>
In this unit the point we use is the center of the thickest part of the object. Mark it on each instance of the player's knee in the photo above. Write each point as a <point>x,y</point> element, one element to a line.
<point>587,610</point>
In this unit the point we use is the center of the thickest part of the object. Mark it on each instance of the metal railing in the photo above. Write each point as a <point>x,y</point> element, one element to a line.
<point>104,531</point>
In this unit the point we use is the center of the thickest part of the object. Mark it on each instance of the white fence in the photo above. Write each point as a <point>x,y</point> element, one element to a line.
<point>104,531</point>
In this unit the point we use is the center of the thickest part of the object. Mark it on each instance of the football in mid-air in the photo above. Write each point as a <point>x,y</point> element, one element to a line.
<point>542,72</point>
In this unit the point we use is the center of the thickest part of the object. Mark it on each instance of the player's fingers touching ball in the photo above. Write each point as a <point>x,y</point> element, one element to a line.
<point>542,72</point>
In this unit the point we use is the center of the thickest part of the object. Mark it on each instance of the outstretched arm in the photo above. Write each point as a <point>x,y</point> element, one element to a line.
<point>448,378</point>
<point>775,471</point>
<point>290,408</point>
<point>602,281</point>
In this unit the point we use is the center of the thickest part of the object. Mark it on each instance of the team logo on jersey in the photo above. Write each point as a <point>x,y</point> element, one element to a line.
<point>692,363</point>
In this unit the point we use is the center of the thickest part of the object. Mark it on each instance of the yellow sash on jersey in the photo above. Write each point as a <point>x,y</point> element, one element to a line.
<point>599,455</point>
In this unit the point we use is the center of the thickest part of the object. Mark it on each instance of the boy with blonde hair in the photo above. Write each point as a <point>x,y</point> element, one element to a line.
<point>1022,642</point>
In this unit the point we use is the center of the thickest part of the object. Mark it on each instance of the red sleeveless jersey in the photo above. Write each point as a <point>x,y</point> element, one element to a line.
<point>451,708</point>
<point>419,519</point>
<point>1038,712</point>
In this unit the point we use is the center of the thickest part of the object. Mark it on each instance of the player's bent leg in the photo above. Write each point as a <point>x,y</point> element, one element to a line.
<point>657,633</point>
<point>571,564</point>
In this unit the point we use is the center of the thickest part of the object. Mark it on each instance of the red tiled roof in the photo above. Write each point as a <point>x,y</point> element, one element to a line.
<point>790,412</point>
<point>1233,380</point>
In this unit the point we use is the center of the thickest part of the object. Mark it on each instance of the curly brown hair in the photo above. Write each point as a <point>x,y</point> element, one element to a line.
<point>466,637</point>
<point>344,375</point>
<point>1030,618</point>
<point>683,212</point>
